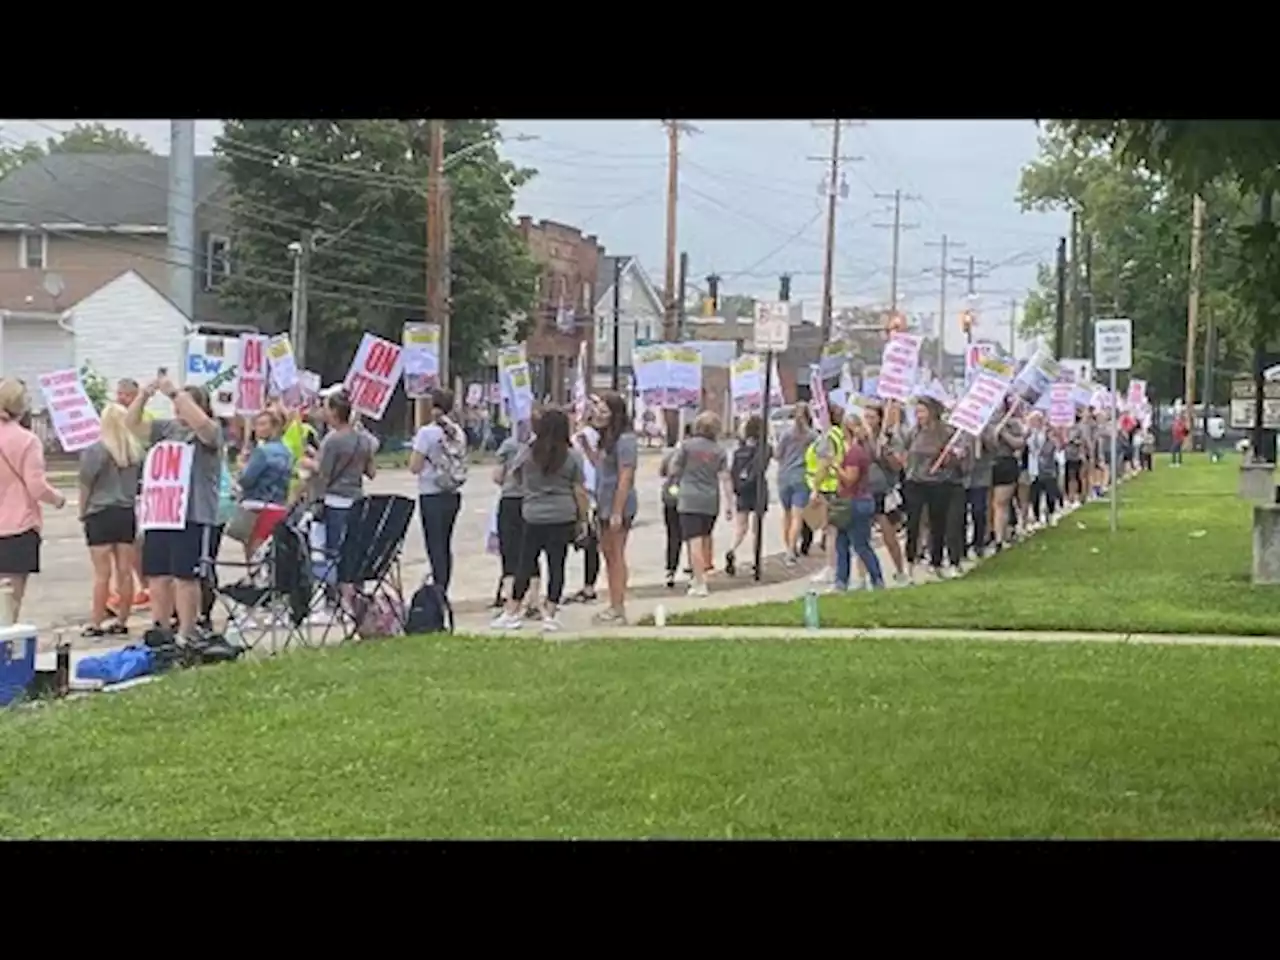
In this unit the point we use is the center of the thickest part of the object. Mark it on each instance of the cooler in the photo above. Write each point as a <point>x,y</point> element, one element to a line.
<point>17,661</point>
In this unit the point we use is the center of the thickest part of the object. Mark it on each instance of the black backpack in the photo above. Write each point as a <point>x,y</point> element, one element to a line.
<point>429,611</point>
<point>744,469</point>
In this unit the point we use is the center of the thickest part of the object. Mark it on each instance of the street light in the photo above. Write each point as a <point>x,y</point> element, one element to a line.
<point>471,148</point>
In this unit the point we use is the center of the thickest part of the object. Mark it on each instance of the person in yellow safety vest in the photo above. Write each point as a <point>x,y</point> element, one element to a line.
<point>819,463</point>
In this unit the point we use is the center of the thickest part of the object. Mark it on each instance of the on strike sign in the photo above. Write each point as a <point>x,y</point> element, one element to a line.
<point>373,376</point>
<point>251,383</point>
<point>166,486</point>
<point>74,418</point>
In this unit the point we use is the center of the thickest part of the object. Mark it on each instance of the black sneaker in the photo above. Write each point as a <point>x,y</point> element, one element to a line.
<point>729,566</point>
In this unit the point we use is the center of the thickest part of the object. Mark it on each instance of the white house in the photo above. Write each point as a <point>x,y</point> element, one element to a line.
<point>640,314</point>
<point>124,327</point>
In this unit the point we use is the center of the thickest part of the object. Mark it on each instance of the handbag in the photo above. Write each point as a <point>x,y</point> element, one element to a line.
<point>840,513</point>
<point>815,512</point>
<point>240,527</point>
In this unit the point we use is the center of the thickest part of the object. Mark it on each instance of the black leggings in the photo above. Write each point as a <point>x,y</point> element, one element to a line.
<point>554,540</point>
<point>934,499</point>
<point>1044,490</point>
<point>510,534</point>
<point>590,560</point>
<point>671,519</point>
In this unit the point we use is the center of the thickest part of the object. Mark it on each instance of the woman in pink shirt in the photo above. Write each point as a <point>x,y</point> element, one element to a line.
<point>23,487</point>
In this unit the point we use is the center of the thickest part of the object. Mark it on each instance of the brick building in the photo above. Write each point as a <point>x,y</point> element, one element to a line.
<point>570,263</point>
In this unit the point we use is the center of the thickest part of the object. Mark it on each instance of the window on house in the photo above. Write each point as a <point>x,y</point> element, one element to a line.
<point>217,260</point>
<point>34,251</point>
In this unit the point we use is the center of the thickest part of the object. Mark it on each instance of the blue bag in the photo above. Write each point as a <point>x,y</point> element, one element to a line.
<point>116,666</point>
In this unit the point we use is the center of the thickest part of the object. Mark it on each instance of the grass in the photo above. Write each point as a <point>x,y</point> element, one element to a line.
<point>486,738</point>
<point>1179,563</point>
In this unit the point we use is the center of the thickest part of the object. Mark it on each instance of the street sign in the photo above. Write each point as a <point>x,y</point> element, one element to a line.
<point>772,331</point>
<point>1112,344</point>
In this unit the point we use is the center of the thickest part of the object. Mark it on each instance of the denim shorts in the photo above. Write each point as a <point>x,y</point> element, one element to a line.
<point>793,496</point>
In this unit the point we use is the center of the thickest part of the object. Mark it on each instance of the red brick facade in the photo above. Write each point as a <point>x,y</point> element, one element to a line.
<point>569,262</point>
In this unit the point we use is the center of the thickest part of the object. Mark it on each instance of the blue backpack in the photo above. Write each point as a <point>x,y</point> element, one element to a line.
<point>429,611</point>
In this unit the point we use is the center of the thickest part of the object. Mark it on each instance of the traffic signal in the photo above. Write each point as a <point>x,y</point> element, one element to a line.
<point>784,287</point>
<point>966,321</point>
<point>713,294</point>
<point>896,323</point>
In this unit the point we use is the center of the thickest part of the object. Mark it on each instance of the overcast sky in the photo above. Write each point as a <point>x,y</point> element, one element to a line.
<point>750,206</point>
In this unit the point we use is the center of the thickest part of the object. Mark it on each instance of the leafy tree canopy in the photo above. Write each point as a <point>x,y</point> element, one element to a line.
<point>360,187</point>
<point>1140,222</point>
<point>82,138</point>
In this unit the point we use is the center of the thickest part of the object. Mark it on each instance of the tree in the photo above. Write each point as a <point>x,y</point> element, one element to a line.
<point>1196,154</point>
<point>359,186</point>
<point>1140,227</point>
<point>82,138</point>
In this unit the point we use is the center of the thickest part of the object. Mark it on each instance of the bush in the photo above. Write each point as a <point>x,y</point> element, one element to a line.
<point>95,385</point>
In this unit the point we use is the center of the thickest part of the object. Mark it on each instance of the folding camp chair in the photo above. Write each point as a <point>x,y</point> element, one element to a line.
<point>270,602</point>
<point>366,565</point>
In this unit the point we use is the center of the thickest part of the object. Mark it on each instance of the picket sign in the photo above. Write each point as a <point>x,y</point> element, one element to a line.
<point>75,420</point>
<point>166,486</point>
<point>251,380</point>
<point>373,376</point>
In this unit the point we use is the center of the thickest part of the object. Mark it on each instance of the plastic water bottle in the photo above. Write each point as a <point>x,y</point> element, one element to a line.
<point>811,609</point>
<point>660,616</point>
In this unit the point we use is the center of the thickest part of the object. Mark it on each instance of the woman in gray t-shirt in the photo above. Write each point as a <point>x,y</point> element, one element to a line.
<point>701,469</point>
<point>553,504</point>
<point>616,501</point>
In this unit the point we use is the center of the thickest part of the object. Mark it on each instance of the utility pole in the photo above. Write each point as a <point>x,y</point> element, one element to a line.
<point>836,186</point>
<point>1193,300</point>
<point>1086,298</point>
<point>437,309</point>
<point>670,308</point>
<point>897,227</point>
<point>1013,327</point>
<point>1060,307</point>
<point>943,270</point>
<point>182,216</point>
<point>1210,354</point>
<point>301,251</point>
<point>615,382</point>
<point>683,312</point>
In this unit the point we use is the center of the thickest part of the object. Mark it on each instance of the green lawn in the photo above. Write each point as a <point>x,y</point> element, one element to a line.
<point>502,738</point>
<point>1180,563</point>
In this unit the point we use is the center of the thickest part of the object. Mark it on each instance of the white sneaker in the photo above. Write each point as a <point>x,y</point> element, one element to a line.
<point>825,575</point>
<point>902,579</point>
<point>789,560</point>
<point>506,621</point>
<point>550,624</point>
<point>697,590</point>
<point>1053,521</point>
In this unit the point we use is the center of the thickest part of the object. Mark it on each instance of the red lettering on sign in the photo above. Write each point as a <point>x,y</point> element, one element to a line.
<point>366,393</point>
<point>163,505</point>
<point>252,394</point>
<point>166,462</point>
<point>252,362</point>
<point>381,359</point>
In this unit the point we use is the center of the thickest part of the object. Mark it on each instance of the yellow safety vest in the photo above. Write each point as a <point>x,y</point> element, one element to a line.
<point>830,483</point>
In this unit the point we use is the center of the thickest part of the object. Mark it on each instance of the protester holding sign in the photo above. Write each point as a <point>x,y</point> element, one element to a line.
<point>1042,465</point>
<point>110,479</point>
<point>175,553</point>
<point>1007,441</point>
<point>935,469</point>
<point>344,461</point>
<point>888,456</point>
<point>23,488</point>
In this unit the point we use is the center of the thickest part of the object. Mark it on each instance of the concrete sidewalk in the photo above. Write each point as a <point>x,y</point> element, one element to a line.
<point>688,634</point>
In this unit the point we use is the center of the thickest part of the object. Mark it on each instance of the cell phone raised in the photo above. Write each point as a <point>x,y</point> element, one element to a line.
<point>162,372</point>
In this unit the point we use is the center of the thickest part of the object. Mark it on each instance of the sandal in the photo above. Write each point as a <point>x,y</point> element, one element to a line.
<point>118,629</point>
<point>611,615</point>
<point>582,596</point>
<point>92,633</point>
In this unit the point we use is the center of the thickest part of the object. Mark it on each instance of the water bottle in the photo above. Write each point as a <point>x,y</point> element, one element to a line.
<point>811,609</point>
<point>660,616</point>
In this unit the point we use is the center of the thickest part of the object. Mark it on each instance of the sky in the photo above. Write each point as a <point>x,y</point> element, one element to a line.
<point>751,207</point>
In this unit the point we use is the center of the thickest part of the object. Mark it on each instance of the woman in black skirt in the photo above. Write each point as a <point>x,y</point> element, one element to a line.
<point>23,488</point>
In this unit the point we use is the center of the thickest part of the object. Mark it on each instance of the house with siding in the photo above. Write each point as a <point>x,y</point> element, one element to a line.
<point>71,225</point>
<point>640,314</point>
